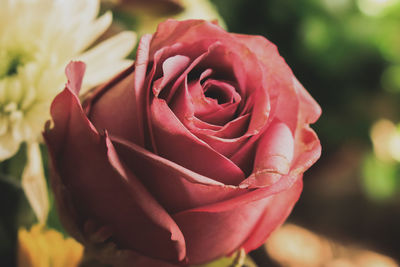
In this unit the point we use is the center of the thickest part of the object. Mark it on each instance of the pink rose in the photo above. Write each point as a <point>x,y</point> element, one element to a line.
<point>194,152</point>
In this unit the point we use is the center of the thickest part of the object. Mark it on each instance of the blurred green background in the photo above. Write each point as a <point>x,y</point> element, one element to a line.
<point>346,53</point>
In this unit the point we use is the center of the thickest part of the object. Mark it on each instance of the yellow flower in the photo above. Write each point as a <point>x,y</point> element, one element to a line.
<point>47,248</point>
<point>37,39</point>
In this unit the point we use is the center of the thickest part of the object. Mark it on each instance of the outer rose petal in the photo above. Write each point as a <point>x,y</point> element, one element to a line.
<point>210,235</point>
<point>274,215</point>
<point>278,75</point>
<point>113,99</point>
<point>307,150</point>
<point>273,158</point>
<point>173,31</point>
<point>245,221</point>
<point>176,187</point>
<point>97,182</point>
<point>309,108</point>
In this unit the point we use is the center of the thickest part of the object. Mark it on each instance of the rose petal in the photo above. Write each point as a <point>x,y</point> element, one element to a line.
<point>225,97</point>
<point>173,31</point>
<point>309,108</point>
<point>74,72</point>
<point>226,147</point>
<point>307,150</point>
<point>182,105</point>
<point>156,71</point>
<point>201,104</point>
<point>224,91</point>
<point>184,75</point>
<point>97,182</point>
<point>169,130</point>
<point>261,110</point>
<point>275,214</point>
<point>222,116</point>
<point>142,92</point>
<point>278,76</point>
<point>111,108</point>
<point>216,230</point>
<point>226,140</point>
<point>172,67</point>
<point>210,235</point>
<point>201,126</point>
<point>244,156</point>
<point>171,184</point>
<point>273,157</point>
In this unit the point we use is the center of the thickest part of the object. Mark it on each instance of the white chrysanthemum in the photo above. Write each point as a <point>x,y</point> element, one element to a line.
<point>37,39</point>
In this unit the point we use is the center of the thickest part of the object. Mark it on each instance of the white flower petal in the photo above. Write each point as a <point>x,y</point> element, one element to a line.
<point>8,146</point>
<point>85,10</point>
<point>34,183</point>
<point>97,74</point>
<point>104,60</point>
<point>95,29</point>
<point>117,47</point>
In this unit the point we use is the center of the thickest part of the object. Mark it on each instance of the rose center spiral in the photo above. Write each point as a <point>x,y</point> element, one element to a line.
<point>222,91</point>
<point>217,94</point>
